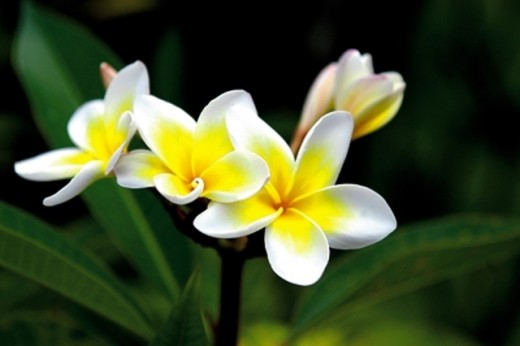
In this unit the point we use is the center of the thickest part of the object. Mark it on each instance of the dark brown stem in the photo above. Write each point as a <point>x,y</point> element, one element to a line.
<point>232,263</point>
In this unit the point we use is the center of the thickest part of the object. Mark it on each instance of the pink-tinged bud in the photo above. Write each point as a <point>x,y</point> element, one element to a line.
<point>320,97</point>
<point>372,99</point>
<point>351,85</point>
<point>107,73</point>
<point>319,101</point>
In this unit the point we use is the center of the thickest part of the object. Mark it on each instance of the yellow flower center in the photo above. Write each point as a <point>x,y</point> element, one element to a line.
<point>278,201</point>
<point>195,182</point>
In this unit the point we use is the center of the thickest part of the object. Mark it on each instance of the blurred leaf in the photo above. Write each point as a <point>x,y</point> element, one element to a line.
<point>15,290</point>
<point>143,231</point>
<point>87,232</point>
<point>185,326</point>
<point>456,302</point>
<point>265,333</point>
<point>371,330</point>
<point>57,62</point>
<point>44,329</point>
<point>32,249</point>
<point>208,261</point>
<point>417,256</point>
<point>402,320</point>
<point>259,282</point>
<point>407,333</point>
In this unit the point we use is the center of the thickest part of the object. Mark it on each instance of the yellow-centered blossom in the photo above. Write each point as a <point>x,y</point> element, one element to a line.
<point>100,131</point>
<point>189,159</point>
<point>301,209</point>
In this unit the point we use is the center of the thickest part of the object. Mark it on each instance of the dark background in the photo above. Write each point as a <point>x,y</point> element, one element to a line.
<point>453,146</point>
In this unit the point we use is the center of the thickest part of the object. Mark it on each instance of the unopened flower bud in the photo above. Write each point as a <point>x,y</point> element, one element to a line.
<point>351,85</point>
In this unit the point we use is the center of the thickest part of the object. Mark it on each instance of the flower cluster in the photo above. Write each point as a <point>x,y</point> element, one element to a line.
<point>237,162</point>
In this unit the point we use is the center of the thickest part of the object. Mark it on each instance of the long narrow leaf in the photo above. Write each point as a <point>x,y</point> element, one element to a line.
<point>418,255</point>
<point>34,250</point>
<point>57,62</point>
<point>140,226</point>
<point>185,326</point>
<point>45,328</point>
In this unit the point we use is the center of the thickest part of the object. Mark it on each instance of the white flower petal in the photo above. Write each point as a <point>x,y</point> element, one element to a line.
<point>319,98</point>
<point>395,77</point>
<point>351,67</point>
<point>253,134</point>
<point>52,165</point>
<point>296,248</point>
<point>351,216</point>
<point>86,127</point>
<point>362,93</point>
<point>217,109</point>
<point>379,112</point>
<point>129,82</point>
<point>236,176</point>
<point>138,169</point>
<point>176,190</point>
<point>233,220</point>
<point>90,172</point>
<point>128,129</point>
<point>322,153</point>
<point>168,131</point>
<point>211,135</point>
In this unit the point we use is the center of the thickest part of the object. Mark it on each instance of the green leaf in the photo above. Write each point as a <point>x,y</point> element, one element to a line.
<point>416,256</point>
<point>404,333</point>
<point>87,232</point>
<point>45,328</point>
<point>143,231</point>
<point>258,283</point>
<point>34,250</point>
<point>57,62</point>
<point>456,302</point>
<point>185,326</point>
<point>16,291</point>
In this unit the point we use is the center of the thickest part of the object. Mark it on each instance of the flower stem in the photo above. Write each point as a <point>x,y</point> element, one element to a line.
<point>232,263</point>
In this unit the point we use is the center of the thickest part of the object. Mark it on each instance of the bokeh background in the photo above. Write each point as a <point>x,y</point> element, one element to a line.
<point>453,147</point>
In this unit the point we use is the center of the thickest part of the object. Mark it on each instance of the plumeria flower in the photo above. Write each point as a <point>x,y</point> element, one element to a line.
<point>101,131</point>
<point>301,209</point>
<point>191,159</point>
<point>351,85</point>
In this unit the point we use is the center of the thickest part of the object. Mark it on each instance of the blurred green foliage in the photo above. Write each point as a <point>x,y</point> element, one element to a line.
<point>451,149</point>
